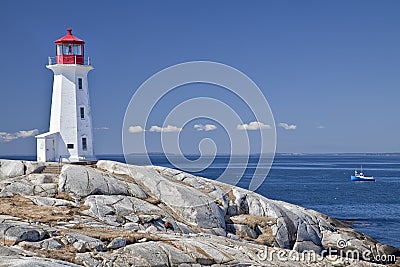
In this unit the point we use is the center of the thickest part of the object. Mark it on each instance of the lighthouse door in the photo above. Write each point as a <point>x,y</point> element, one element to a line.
<point>50,149</point>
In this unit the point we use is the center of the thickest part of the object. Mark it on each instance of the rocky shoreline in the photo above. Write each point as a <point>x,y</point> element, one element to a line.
<point>114,214</point>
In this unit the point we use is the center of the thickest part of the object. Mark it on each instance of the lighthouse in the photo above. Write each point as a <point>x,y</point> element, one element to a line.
<point>70,137</point>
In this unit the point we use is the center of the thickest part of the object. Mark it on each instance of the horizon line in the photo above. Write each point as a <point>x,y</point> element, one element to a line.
<point>226,154</point>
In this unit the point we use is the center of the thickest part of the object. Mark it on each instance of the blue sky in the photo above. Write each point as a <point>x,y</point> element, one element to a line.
<point>331,68</point>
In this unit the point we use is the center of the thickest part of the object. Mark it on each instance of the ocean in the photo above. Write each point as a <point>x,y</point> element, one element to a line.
<point>322,183</point>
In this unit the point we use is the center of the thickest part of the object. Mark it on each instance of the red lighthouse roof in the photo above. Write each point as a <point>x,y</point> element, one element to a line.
<point>69,49</point>
<point>69,38</point>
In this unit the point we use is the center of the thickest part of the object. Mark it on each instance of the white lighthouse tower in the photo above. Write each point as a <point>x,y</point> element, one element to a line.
<point>70,137</point>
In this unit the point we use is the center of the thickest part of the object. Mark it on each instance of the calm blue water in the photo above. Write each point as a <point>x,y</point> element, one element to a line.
<point>322,183</point>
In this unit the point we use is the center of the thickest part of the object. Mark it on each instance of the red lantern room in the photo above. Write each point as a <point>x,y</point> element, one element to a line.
<point>69,49</point>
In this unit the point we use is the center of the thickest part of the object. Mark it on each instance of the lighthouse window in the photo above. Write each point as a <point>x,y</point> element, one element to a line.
<point>84,143</point>
<point>77,50</point>
<point>68,49</point>
<point>82,112</point>
<point>80,85</point>
<point>59,49</point>
<point>70,146</point>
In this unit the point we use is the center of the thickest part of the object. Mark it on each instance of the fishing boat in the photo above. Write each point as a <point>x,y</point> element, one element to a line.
<point>360,177</point>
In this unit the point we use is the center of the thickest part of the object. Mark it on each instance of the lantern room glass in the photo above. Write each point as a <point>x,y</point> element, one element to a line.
<point>77,50</point>
<point>69,49</point>
<point>59,49</point>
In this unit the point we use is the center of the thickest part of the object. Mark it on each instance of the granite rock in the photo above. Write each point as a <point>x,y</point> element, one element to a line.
<point>114,214</point>
<point>11,168</point>
<point>13,232</point>
<point>80,182</point>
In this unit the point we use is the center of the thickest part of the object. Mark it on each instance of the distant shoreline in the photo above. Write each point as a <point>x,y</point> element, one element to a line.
<point>33,156</point>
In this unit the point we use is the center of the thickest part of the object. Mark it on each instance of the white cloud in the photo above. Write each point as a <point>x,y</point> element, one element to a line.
<point>207,127</point>
<point>320,127</point>
<point>254,125</point>
<point>135,129</point>
<point>7,137</point>
<point>167,129</point>
<point>287,126</point>
<point>102,128</point>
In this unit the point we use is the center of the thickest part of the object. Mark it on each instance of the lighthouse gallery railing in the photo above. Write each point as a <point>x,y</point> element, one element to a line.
<point>53,61</point>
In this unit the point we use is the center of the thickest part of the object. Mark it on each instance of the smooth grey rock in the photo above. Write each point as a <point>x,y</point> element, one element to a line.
<point>145,218</point>
<point>205,253</point>
<point>9,251</point>
<point>133,226</point>
<point>194,206</point>
<point>296,228</point>
<point>11,168</point>
<point>139,254</point>
<point>151,229</point>
<point>80,181</point>
<point>118,242</point>
<point>157,254</point>
<point>22,185</point>
<point>82,242</point>
<point>14,232</point>
<point>307,239</point>
<point>111,209</point>
<point>41,178</point>
<point>50,243</point>
<point>90,261</point>
<point>16,186</point>
<point>132,218</point>
<point>21,261</point>
<point>48,201</point>
<point>35,166</point>
<point>183,228</point>
<point>207,186</point>
<point>45,190</point>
